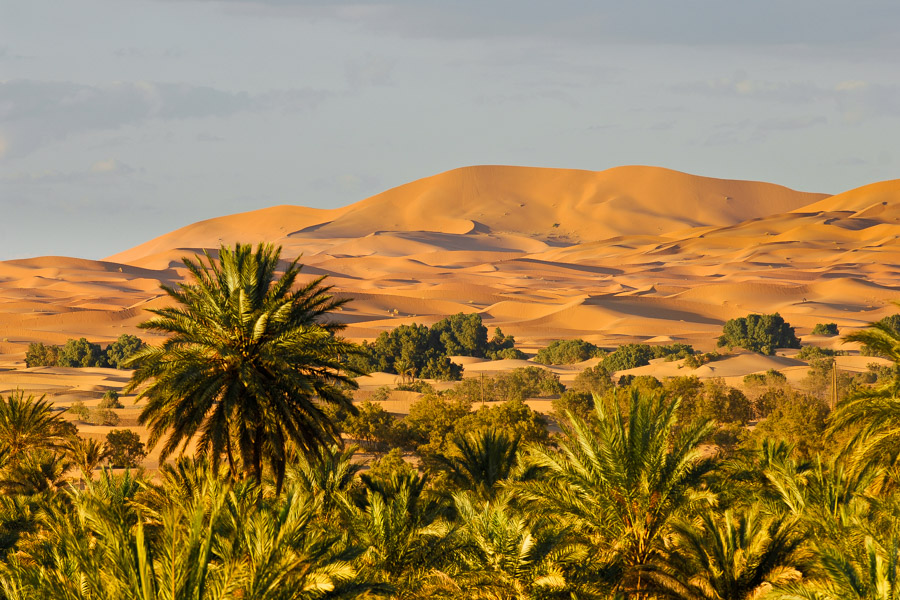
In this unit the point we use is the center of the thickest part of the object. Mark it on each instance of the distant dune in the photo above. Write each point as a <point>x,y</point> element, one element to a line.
<point>628,254</point>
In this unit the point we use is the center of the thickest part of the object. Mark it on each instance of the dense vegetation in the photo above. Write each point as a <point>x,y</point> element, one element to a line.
<point>417,351</point>
<point>566,352</point>
<point>629,356</point>
<point>825,329</point>
<point>82,353</point>
<point>650,489</point>
<point>759,333</point>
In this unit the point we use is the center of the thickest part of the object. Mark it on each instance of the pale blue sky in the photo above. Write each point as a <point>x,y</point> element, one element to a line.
<point>121,120</point>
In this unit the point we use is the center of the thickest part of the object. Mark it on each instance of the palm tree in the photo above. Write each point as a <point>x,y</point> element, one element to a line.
<point>505,555</point>
<point>248,363</point>
<point>479,461</point>
<point>404,538</point>
<point>874,415</point>
<point>87,454</point>
<point>866,569</point>
<point>625,479</point>
<point>729,556</point>
<point>28,424</point>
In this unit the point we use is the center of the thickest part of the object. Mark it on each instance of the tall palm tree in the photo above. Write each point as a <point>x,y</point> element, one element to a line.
<point>480,460</point>
<point>874,415</point>
<point>624,478</point>
<point>730,556</point>
<point>248,363</point>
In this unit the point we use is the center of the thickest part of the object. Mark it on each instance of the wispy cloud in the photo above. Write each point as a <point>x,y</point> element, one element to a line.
<point>34,113</point>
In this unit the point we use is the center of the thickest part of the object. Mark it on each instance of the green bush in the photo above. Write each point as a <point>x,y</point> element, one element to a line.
<point>514,418</point>
<point>124,448</point>
<point>814,352</point>
<point>417,351</point>
<point>105,417</point>
<point>566,352</point>
<point>593,379</point>
<point>825,329</point>
<point>110,399</point>
<point>759,333</point>
<point>80,411</point>
<point>40,355</point>
<point>81,353</point>
<point>122,349</point>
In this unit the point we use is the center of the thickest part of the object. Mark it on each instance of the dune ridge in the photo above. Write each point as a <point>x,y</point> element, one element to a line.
<point>627,254</point>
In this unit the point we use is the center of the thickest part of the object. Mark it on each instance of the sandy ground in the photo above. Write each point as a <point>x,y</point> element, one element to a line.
<point>632,254</point>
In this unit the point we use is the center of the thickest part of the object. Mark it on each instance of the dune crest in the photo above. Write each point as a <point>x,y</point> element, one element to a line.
<point>627,254</point>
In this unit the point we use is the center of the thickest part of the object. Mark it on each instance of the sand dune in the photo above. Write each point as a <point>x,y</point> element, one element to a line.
<point>627,254</point>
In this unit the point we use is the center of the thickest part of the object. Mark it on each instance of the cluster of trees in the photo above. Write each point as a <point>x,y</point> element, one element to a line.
<point>567,352</point>
<point>419,351</point>
<point>82,353</point>
<point>759,333</point>
<point>629,356</point>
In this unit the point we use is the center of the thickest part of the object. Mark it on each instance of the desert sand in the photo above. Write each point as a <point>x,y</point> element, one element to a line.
<point>631,254</point>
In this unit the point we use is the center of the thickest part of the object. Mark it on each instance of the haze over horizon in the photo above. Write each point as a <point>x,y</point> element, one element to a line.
<point>122,121</point>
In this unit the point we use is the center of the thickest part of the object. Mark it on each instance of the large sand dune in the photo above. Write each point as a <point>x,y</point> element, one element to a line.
<point>628,254</point>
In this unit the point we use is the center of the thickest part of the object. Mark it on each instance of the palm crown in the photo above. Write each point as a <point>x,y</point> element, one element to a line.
<point>248,363</point>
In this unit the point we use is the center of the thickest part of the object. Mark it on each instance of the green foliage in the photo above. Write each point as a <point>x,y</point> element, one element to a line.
<point>593,380</point>
<point>877,340</point>
<point>80,411</point>
<point>110,399</point>
<point>513,418</point>
<point>815,352</point>
<point>124,448</point>
<point>798,419</point>
<point>770,377</point>
<point>417,351</point>
<point>518,384</point>
<point>105,417</point>
<point>126,346</point>
<point>825,329</point>
<point>40,355</point>
<point>759,333</point>
<point>372,426</point>
<point>630,356</point>
<point>432,418</point>
<point>566,352</point>
<point>250,360</point>
<point>81,353</point>
<point>388,465</point>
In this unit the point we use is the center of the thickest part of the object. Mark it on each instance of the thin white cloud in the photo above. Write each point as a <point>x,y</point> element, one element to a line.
<point>34,113</point>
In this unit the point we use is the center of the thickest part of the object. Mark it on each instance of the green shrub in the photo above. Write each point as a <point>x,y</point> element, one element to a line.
<point>110,399</point>
<point>105,417</point>
<point>814,352</point>
<point>593,379</point>
<point>124,448</point>
<point>122,349</point>
<point>825,329</point>
<point>514,418</point>
<point>80,411</point>
<point>40,355</point>
<point>417,351</point>
<point>566,352</point>
<point>81,353</point>
<point>759,333</point>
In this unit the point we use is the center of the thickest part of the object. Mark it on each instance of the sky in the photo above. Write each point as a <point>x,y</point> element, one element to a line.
<point>122,120</point>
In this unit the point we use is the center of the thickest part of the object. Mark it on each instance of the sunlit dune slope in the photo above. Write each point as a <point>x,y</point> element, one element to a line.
<point>627,254</point>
